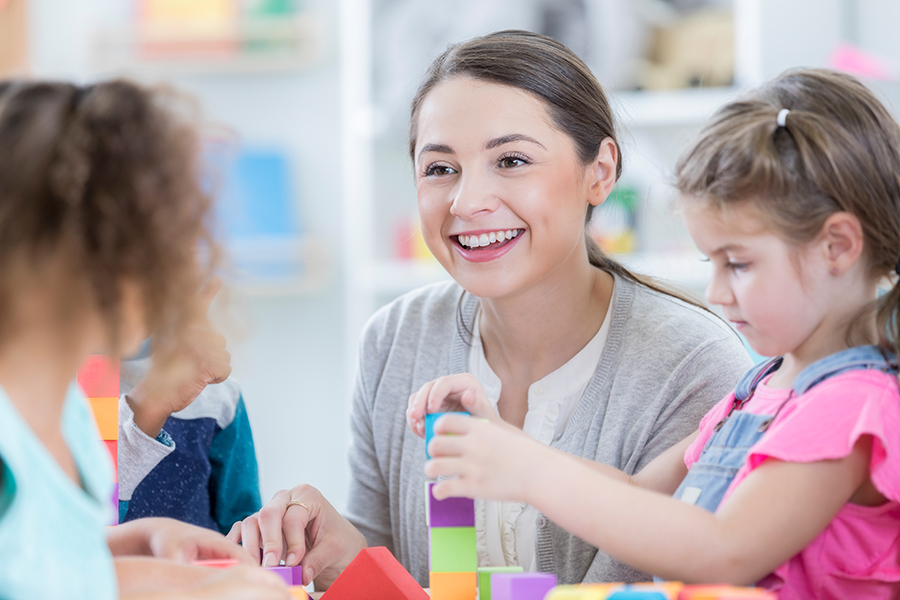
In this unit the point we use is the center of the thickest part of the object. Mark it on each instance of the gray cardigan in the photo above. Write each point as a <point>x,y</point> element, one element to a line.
<point>664,365</point>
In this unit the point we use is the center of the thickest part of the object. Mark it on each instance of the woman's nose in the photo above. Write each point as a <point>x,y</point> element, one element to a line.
<point>471,196</point>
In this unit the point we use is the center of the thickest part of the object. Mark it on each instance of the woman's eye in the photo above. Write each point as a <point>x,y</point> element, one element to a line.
<point>433,170</point>
<point>512,161</point>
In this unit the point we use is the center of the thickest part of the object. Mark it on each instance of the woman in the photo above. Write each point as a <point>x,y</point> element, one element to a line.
<point>513,144</point>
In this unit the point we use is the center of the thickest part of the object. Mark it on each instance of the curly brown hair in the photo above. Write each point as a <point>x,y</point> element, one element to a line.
<point>107,178</point>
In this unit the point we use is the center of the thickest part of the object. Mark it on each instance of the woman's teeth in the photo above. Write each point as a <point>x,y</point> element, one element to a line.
<point>480,241</point>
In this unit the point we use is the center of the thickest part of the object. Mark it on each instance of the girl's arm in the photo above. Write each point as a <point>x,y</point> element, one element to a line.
<point>777,510</point>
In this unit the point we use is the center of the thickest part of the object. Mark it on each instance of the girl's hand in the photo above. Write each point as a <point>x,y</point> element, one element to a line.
<point>186,543</point>
<point>452,393</point>
<point>484,460</point>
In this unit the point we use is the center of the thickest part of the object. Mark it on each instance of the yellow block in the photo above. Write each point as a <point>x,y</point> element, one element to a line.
<point>591,591</point>
<point>298,592</point>
<point>106,413</point>
<point>453,586</point>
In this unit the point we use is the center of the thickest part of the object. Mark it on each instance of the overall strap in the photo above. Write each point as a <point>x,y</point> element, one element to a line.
<point>747,385</point>
<point>852,359</point>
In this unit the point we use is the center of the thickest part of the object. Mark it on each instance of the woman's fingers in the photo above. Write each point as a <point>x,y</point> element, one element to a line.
<point>270,528</point>
<point>250,536</point>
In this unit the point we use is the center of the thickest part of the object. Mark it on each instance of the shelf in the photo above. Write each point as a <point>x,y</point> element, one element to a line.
<point>279,44</point>
<point>277,266</point>
<point>670,108</point>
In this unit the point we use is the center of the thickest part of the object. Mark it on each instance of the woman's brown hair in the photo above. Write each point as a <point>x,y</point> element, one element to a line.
<point>106,178</point>
<point>838,151</point>
<point>553,73</point>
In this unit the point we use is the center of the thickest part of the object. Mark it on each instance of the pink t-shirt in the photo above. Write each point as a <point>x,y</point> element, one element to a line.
<point>858,554</point>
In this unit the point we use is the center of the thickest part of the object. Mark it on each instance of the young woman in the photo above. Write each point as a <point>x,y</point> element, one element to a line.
<point>514,145</point>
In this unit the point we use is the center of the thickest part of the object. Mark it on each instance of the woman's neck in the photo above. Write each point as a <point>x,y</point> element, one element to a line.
<point>528,335</point>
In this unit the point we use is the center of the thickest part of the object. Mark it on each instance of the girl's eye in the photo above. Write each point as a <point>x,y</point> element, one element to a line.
<point>510,161</point>
<point>438,169</point>
<point>737,266</point>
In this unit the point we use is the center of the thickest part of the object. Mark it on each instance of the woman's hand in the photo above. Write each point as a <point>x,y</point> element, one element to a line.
<point>490,461</point>
<point>451,393</point>
<point>314,533</point>
<point>167,538</point>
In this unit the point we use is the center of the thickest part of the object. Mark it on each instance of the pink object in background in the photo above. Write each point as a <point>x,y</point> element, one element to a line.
<point>848,58</point>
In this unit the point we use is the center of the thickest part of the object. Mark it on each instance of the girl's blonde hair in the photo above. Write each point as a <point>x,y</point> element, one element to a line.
<point>838,151</point>
<point>105,178</point>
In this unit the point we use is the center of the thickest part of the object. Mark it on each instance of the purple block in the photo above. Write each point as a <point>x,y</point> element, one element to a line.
<point>114,500</point>
<point>521,586</point>
<point>290,575</point>
<point>450,512</point>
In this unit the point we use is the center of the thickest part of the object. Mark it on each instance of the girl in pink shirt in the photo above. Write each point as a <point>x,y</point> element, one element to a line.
<point>793,480</point>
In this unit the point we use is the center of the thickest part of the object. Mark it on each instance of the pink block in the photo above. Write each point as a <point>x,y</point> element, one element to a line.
<point>217,563</point>
<point>99,377</point>
<point>521,586</point>
<point>290,575</point>
<point>114,500</point>
<point>450,512</point>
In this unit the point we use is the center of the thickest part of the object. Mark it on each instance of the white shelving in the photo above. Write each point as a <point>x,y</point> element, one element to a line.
<point>669,108</point>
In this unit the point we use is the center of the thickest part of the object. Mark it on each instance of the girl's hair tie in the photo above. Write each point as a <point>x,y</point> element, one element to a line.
<point>782,117</point>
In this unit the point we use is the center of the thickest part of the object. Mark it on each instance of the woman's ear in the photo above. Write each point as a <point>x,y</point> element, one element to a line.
<point>841,241</point>
<point>602,172</point>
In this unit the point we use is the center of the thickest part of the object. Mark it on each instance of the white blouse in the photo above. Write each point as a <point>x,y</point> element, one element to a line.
<point>505,531</point>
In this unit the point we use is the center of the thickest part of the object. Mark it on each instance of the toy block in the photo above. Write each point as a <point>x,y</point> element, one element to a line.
<point>298,593</point>
<point>106,414</point>
<point>582,592</point>
<point>99,377</point>
<point>484,579</point>
<point>113,447</point>
<point>217,563</point>
<point>714,592</point>
<point>429,426</point>
<point>376,575</point>
<point>633,594</point>
<point>453,550</point>
<point>521,586</point>
<point>453,586</point>
<point>290,575</point>
<point>449,512</point>
<point>114,503</point>
<point>671,589</point>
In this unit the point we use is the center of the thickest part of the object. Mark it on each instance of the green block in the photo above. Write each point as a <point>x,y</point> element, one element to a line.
<point>453,550</point>
<point>484,579</point>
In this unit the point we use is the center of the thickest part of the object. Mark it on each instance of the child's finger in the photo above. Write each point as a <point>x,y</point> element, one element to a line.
<point>415,411</point>
<point>446,445</point>
<point>446,466</point>
<point>455,424</point>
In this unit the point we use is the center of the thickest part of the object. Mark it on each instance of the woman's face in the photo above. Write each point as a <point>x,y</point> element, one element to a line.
<point>502,193</point>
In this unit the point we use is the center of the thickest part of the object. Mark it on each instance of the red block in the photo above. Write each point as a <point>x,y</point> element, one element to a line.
<point>375,575</point>
<point>99,377</point>
<point>113,447</point>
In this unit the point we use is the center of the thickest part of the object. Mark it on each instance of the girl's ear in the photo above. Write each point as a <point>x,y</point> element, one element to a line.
<point>602,172</point>
<point>842,242</point>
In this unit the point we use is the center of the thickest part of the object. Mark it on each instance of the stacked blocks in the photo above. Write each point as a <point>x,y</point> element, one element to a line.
<point>521,586</point>
<point>451,541</point>
<point>99,378</point>
<point>375,575</point>
<point>484,579</point>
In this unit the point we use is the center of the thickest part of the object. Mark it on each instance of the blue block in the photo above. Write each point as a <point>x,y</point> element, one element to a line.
<point>429,426</point>
<point>636,595</point>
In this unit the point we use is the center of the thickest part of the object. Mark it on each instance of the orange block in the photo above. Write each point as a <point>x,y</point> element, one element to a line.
<point>453,586</point>
<point>113,447</point>
<point>106,413</point>
<point>298,592</point>
<point>99,377</point>
<point>723,592</point>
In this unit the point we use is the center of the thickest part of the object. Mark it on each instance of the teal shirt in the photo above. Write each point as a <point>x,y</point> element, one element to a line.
<point>52,532</point>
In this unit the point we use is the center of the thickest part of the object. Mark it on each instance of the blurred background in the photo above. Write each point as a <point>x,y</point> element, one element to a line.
<point>305,104</point>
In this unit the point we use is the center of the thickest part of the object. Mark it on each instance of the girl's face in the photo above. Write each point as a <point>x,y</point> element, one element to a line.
<point>771,291</point>
<point>502,193</point>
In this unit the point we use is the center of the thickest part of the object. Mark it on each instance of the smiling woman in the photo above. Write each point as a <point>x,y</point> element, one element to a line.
<point>514,145</point>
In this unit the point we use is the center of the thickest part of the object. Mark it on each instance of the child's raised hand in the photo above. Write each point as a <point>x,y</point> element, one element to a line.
<point>490,461</point>
<point>205,361</point>
<point>451,393</point>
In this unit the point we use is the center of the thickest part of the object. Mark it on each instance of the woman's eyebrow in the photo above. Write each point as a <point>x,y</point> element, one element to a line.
<point>512,137</point>
<point>442,148</point>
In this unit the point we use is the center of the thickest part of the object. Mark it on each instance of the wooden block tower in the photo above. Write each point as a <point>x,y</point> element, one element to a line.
<point>99,378</point>
<point>453,558</point>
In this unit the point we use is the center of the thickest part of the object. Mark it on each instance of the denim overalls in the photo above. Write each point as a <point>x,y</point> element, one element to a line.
<point>726,450</point>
